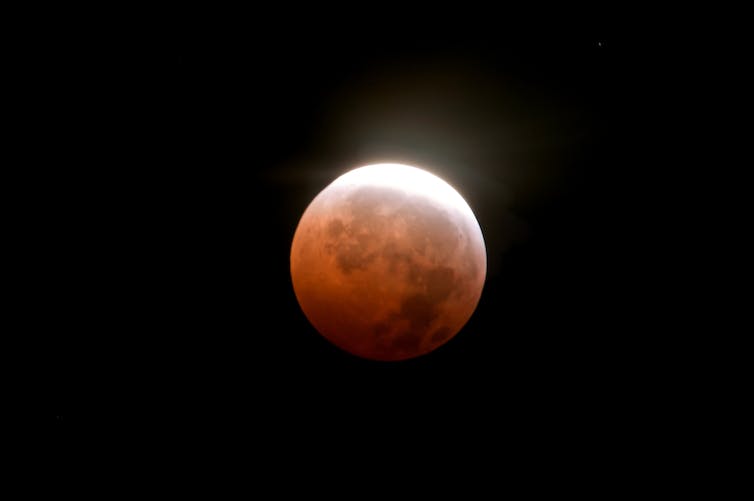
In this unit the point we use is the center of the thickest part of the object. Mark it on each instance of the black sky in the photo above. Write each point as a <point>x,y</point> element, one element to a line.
<point>211,137</point>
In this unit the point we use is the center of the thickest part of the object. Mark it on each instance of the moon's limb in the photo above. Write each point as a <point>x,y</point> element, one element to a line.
<point>386,273</point>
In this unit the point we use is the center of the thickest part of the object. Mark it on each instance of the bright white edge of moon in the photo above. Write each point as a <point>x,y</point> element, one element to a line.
<point>407,178</point>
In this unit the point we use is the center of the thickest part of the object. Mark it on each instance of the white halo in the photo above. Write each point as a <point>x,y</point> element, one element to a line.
<point>406,178</point>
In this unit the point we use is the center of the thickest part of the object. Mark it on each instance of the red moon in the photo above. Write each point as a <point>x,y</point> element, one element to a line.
<point>388,262</point>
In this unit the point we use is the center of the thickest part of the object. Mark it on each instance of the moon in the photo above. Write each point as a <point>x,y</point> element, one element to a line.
<point>388,262</point>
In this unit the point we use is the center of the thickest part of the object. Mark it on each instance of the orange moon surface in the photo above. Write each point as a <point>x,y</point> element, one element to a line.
<point>388,262</point>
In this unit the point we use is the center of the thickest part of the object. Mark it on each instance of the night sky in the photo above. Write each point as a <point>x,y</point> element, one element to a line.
<point>211,138</point>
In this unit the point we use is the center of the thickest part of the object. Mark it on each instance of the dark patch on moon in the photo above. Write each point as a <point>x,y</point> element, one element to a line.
<point>440,282</point>
<point>353,257</point>
<point>419,310</point>
<point>335,228</point>
<point>422,309</point>
<point>441,335</point>
<point>407,341</point>
<point>436,283</point>
<point>380,329</point>
<point>395,257</point>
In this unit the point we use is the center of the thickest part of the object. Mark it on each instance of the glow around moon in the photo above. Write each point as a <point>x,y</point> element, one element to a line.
<point>388,262</point>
